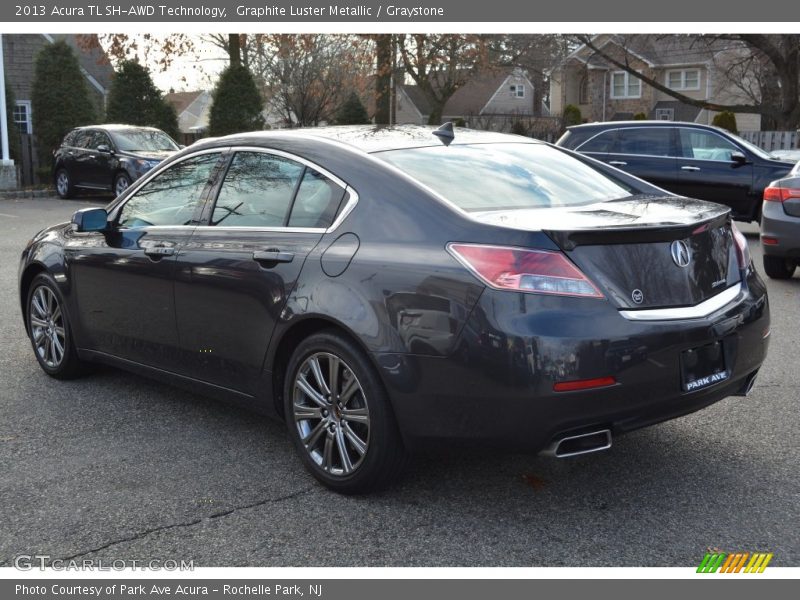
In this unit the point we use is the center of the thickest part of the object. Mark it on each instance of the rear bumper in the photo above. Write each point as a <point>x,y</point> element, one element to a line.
<point>777,225</point>
<point>497,388</point>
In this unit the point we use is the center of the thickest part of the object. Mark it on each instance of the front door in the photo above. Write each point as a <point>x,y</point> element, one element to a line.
<point>240,266</point>
<point>124,278</point>
<point>707,171</point>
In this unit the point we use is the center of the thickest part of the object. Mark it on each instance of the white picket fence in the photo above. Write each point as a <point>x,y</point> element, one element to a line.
<point>773,140</point>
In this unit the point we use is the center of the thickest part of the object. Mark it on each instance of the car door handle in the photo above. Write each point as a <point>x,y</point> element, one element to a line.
<point>273,256</point>
<point>159,251</point>
<point>688,168</point>
<point>617,163</point>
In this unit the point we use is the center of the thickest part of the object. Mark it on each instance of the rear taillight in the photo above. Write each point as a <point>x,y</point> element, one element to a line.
<point>522,270</point>
<point>742,251</point>
<point>776,193</point>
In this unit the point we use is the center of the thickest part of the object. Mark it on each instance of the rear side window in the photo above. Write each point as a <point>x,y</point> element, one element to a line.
<point>484,177</point>
<point>653,141</point>
<point>600,143</point>
<point>265,190</point>
<point>257,191</point>
<point>317,202</point>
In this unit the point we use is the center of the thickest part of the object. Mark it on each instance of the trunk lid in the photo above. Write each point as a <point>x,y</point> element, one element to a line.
<point>642,251</point>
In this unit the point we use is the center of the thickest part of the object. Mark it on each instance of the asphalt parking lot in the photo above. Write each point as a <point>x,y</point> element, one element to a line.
<point>114,466</point>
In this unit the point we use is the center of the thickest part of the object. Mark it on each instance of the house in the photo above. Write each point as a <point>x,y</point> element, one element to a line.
<point>693,66</point>
<point>19,53</point>
<point>20,50</point>
<point>500,93</point>
<point>193,110</point>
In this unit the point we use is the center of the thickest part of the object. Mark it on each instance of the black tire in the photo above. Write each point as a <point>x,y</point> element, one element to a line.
<point>43,321</point>
<point>63,183</point>
<point>364,420</point>
<point>778,267</point>
<point>121,183</point>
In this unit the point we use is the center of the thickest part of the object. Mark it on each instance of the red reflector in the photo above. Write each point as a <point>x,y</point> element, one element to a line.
<point>780,194</point>
<point>769,241</point>
<point>583,384</point>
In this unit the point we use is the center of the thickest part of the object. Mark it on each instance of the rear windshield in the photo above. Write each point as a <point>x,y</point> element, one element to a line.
<point>485,177</point>
<point>143,140</point>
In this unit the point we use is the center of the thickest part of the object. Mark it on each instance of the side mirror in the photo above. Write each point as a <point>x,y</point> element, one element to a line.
<point>90,219</point>
<point>105,149</point>
<point>738,157</point>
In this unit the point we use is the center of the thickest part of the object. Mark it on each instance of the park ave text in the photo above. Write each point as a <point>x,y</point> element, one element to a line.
<point>264,11</point>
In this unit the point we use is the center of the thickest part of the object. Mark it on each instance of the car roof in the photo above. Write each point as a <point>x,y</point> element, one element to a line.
<point>642,123</point>
<point>369,138</point>
<point>118,127</point>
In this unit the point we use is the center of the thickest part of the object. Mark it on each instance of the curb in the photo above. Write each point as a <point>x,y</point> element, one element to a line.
<point>14,194</point>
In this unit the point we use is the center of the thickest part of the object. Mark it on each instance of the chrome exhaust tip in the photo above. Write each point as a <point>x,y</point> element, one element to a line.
<point>575,445</point>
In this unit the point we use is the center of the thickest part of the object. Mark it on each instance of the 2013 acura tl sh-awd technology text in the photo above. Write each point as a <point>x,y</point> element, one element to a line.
<point>385,289</point>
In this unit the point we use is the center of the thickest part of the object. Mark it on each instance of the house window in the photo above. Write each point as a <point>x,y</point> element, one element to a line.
<point>583,91</point>
<point>518,91</point>
<point>665,114</point>
<point>625,85</point>
<point>22,116</point>
<point>684,79</point>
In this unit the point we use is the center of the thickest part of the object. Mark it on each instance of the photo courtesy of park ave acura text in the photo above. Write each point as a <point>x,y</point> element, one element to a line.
<point>396,299</point>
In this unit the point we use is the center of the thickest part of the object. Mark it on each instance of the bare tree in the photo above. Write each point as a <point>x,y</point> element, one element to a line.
<point>767,72</point>
<point>306,77</point>
<point>440,64</point>
<point>536,54</point>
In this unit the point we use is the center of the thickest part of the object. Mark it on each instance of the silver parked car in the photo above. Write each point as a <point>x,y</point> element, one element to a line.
<point>780,226</point>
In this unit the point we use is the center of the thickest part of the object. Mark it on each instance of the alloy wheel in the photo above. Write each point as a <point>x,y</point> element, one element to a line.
<point>121,185</point>
<point>47,327</point>
<point>62,183</point>
<point>331,414</point>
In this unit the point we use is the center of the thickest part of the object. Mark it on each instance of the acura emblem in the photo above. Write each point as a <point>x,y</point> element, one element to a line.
<point>681,255</point>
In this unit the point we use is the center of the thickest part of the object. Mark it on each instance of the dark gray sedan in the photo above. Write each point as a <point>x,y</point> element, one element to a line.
<point>381,290</point>
<point>780,226</point>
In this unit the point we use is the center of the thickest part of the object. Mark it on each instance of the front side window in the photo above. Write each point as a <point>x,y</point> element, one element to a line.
<point>172,196</point>
<point>506,176</point>
<point>704,145</point>
<point>625,85</point>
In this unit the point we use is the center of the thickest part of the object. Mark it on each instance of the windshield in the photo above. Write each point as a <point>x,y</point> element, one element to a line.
<point>485,177</point>
<point>143,140</point>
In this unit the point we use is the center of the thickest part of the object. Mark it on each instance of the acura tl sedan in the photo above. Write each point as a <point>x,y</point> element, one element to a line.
<point>382,290</point>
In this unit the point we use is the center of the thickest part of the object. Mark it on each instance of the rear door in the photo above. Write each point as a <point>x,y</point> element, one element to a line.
<point>647,152</point>
<point>237,271</point>
<point>706,171</point>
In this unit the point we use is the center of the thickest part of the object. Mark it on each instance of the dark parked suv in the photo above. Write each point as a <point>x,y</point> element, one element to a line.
<point>108,157</point>
<point>698,161</point>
